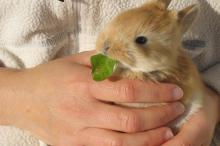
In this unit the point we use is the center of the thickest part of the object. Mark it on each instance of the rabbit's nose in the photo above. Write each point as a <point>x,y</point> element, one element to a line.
<point>105,50</point>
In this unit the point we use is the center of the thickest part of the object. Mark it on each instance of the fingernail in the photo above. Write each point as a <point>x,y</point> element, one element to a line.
<point>180,108</point>
<point>178,93</point>
<point>169,135</point>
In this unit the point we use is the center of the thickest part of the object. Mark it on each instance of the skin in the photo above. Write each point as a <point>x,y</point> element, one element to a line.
<point>199,130</point>
<point>61,104</point>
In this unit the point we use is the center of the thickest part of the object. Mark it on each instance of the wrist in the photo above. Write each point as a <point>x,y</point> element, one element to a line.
<point>7,95</point>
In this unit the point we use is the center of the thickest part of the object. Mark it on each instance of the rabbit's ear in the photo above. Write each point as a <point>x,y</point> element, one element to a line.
<point>164,3</point>
<point>187,16</point>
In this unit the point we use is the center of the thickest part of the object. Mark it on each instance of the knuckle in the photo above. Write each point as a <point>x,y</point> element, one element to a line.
<point>131,122</point>
<point>126,90</point>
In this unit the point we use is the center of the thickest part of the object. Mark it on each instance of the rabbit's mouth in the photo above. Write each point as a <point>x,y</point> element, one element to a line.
<point>135,68</point>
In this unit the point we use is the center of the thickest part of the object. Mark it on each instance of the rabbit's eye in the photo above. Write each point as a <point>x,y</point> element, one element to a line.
<point>141,40</point>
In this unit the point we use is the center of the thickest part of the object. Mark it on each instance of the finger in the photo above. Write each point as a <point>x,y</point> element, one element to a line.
<point>134,91</point>
<point>132,120</point>
<point>83,58</point>
<point>101,137</point>
<point>193,133</point>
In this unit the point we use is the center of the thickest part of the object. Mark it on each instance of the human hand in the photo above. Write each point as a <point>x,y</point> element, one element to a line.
<point>61,104</point>
<point>199,130</point>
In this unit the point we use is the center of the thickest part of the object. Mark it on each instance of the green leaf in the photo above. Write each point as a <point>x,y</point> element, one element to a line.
<point>102,67</point>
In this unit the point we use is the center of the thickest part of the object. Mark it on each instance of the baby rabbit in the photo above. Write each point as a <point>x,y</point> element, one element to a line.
<point>147,43</point>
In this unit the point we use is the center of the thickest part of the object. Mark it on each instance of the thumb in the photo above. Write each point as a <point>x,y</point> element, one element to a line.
<point>84,57</point>
<point>193,133</point>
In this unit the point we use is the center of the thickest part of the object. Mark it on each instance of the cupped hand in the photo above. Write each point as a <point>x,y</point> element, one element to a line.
<point>199,130</point>
<point>61,104</point>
